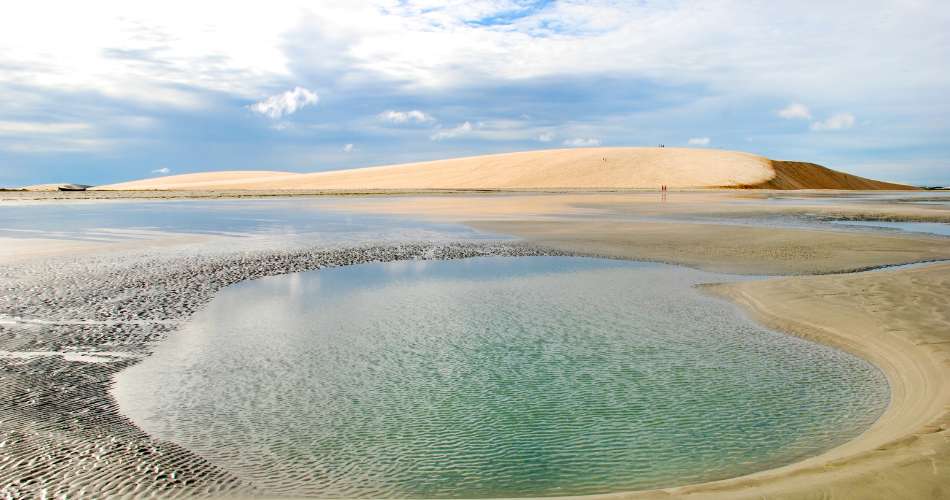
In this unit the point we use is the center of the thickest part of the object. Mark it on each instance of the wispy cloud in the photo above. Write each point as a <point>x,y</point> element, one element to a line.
<point>838,121</point>
<point>162,171</point>
<point>285,103</point>
<point>581,142</point>
<point>400,117</point>
<point>795,111</point>
<point>51,137</point>
<point>452,133</point>
<point>57,145</point>
<point>699,141</point>
<point>32,128</point>
<point>348,148</point>
<point>546,136</point>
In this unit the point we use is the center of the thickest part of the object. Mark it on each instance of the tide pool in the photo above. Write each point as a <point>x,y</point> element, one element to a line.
<point>492,377</point>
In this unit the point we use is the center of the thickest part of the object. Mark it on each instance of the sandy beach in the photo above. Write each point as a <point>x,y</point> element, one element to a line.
<point>897,319</point>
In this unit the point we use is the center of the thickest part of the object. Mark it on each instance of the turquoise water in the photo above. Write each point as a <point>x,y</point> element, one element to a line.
<point>492,377</point>
<point>938,228</point>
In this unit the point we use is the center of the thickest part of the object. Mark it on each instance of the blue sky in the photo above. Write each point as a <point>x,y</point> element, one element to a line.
<point>114,91</point>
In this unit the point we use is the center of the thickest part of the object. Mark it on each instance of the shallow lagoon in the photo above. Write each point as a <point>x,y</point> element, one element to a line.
<point>490,377</point>
<point>287,220</point>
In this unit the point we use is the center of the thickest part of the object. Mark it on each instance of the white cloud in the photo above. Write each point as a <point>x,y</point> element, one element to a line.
<point>798,111</point>
<point>838,121</point>
<point>400,117</point>
<point>145,51</point>
<point>452,133</point>
<point>546,136</point>
<point>153,55</point>
<point>699,141</point>
<point>35,128</point>
<point>730,48</point>
<point>581,142</point>
<point>286,103</point>
<point>795,111</point>
<point>163,170</point>
<point>348,148</point>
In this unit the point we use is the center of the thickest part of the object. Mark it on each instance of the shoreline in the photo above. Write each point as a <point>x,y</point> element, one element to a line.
<point>920,394</point>
<point>920,385</point>
<point>919,381</point>
<point>898,320</point>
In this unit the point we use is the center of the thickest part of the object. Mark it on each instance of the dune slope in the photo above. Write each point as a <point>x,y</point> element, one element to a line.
<point>803,175</point>
<point>584,168</point>
<point>199,181</point>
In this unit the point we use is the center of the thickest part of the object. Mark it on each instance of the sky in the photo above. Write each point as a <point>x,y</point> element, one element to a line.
<point>100,92</point>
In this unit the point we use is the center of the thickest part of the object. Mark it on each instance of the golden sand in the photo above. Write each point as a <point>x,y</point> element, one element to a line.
<point>582,168</point>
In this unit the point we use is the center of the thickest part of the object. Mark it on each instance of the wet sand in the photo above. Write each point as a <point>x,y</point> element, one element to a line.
<point>70,324</point>
<point>900,321</point>
<point>729,248</point>
<point>63,431</point>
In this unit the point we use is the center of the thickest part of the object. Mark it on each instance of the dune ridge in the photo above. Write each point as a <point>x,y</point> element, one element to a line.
<point>581,168</point>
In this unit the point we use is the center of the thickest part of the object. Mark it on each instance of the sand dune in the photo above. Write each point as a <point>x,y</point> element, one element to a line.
<point>585,168</point>
<point>802,175</point>
<point>202,180</point>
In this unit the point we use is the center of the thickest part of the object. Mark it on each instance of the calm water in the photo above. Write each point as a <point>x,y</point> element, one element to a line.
<point>492,377</point>
<point>913,227</point>
<point>304,219</point>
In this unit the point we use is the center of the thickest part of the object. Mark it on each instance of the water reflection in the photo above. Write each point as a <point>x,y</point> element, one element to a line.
<point>284,219</point>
